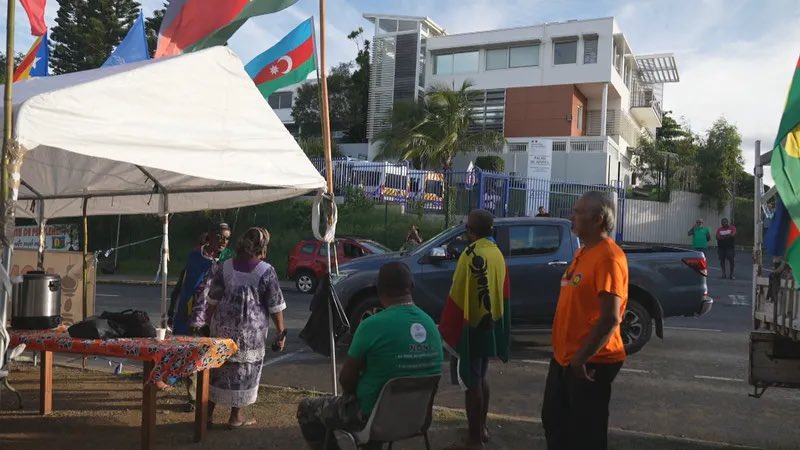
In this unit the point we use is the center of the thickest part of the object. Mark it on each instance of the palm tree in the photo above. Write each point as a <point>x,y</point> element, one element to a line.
<point>434,132</point>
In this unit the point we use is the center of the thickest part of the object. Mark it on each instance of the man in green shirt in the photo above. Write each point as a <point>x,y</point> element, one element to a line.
<point>400,341</point>
<point>700,236</point>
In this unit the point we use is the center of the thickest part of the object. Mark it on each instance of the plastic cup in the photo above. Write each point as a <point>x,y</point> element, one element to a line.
<point>161,333</point>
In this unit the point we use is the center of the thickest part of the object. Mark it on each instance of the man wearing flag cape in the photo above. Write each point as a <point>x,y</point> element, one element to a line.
<point>475,323</point>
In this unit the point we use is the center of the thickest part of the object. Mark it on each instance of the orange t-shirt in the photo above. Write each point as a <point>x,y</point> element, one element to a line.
<point>600,269</point>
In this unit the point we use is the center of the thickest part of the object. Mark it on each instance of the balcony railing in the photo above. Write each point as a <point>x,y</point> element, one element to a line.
<point>576,144</point>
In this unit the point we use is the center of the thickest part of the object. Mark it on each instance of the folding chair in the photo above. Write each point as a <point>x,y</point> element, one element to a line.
<point>404,410</point>
<point>7,356</point>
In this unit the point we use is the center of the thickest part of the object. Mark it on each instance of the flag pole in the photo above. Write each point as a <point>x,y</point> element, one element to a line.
<point>7,101</point>
<point>326,140</point>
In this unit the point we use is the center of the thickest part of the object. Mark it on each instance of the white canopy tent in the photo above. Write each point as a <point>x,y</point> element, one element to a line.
<point>171,135</point>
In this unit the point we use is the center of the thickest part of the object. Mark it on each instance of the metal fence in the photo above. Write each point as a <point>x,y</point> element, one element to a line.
<point>501,194</point>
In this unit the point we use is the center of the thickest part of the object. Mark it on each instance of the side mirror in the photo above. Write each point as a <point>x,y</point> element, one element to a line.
<point>437,254</point>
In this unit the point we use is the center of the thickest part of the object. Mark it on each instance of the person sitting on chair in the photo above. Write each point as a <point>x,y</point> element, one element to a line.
<point>400,341</point>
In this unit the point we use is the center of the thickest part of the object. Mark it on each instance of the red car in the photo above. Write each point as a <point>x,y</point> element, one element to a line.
<point>308,261</point>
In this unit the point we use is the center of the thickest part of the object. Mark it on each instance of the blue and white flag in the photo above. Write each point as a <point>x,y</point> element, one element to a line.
<point>133,48</point>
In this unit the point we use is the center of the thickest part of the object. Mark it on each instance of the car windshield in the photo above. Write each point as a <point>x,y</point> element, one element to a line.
<point>374,247</point>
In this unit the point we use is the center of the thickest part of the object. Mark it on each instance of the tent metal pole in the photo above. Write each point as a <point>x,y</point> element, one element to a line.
<point>8,102</point>
<point>164,258</point>
<point>85,260</point>
<point>42,222</point>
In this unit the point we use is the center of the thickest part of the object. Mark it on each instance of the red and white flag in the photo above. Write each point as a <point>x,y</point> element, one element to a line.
<point>35,10</point>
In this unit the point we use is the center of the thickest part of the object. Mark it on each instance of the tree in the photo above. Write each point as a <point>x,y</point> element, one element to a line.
<point>314,148</point>
<point>442,133</point>
<point>720,159</point>
<point>306,108</point>
<point>492,163</point>
<point>359,88</point>
<point>668,159</point>
<point>87,31</point>
<point>17,60</point>
<point>152,25</point>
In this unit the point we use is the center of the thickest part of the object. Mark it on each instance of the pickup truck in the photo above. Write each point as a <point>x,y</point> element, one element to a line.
<point>664,282</point>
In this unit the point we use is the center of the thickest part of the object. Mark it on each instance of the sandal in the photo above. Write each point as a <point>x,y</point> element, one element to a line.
<point>246,423</point>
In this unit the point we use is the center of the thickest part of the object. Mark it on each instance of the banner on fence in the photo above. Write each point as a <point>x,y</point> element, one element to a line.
<point>540,167</point>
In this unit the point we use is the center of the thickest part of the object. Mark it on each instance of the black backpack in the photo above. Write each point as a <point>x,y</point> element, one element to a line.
<point>133,323</point>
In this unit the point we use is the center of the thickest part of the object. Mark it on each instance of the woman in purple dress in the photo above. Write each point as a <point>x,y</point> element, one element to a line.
<point>243,295</point>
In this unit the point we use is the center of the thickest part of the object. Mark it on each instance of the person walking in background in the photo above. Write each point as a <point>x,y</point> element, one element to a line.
<point>542,212</point>
<point>244,294</point>
<point>475,323</point>
<point>726,246</point>
<point>588,351</point>
<point>700,237</point>
<point>400,341</point>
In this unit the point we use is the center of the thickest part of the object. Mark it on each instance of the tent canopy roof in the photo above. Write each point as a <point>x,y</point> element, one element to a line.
<point>193,127</point>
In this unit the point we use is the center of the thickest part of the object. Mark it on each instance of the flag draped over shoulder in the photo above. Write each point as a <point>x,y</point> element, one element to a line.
<point>286,63</point>
<point>34,64</point>
<point>475,321</point>
<point>191,25</point>
<point>35,11</point>
<point>133,48</point>
<point>786,172</point>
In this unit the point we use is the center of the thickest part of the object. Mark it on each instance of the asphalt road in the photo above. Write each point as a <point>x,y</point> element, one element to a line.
<point>691,386</point>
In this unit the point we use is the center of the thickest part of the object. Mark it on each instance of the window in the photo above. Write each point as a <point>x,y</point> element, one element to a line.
<point>455,247</point>
<point>496,58</point>
<point>451,63</point>
<point>533,240</point>
<point>387,25</point>
<point>308,249</point>
<point>565,52</point>
<point>524,56</point>
<point>280,100</point>
<point>407,25</point>
<point>465,62</point>
<point>443,64</point>
<point>590,50</point>
<point>488,110</point>
<point>323,249</point>
<point>579,118</point>
<point>352,251</point>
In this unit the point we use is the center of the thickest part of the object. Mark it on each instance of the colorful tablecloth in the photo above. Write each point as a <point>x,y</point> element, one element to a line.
<point>177,356</point>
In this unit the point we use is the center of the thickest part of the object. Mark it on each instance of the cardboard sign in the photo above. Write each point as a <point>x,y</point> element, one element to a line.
<point>70,266</point>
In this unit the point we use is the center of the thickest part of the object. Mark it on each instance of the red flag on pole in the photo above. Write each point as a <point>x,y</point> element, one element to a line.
<point>35,10</point>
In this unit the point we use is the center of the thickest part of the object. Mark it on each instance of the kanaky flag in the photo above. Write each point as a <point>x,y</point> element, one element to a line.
<point>191,25</point>
<point>35,11</point>
<point>786,171</point>
<point>286,63</point>
<point>34,64</point>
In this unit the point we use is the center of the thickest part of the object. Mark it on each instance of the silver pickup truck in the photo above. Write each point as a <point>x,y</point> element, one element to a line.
<point>664,282</point>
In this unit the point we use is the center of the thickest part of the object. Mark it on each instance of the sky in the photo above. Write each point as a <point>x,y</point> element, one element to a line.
<point>735,57</point>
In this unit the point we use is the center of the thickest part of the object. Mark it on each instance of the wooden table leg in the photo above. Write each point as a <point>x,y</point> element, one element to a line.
<point>46,384</point>
<point>148,409</point>
<point>201,406</point>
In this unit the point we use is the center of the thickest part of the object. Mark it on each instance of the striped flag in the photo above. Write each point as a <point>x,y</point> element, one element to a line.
<point>34,64</point>
<point>786,171</point>
<point>191,25</point>
<point>286,63</point>
<point>35,11</point>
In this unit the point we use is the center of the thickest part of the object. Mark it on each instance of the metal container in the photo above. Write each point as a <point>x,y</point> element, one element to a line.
<point>36,301</point>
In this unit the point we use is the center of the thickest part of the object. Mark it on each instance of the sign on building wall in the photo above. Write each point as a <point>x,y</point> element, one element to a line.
<point>540,167</point>
<point>59,238</point>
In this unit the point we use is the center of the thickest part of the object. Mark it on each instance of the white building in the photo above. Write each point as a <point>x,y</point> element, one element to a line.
<point>576,82</point>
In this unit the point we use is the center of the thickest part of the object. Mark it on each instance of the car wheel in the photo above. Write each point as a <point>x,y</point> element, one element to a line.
<point>306,282</point>
<point>636,327</point>
<point>366,308</point>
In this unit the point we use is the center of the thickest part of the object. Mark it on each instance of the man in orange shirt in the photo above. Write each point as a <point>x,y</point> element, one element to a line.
<point>587,346</point>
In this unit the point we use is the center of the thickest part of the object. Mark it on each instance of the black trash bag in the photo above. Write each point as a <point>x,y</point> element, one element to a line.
<point>134,323</point>
<point>95,328</point>
<point>316,333</point>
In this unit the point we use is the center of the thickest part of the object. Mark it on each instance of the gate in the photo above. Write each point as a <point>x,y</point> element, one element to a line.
<point>493,192</point>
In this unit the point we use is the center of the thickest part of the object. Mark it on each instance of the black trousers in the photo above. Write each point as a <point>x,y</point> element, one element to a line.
<point>575,412</point>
